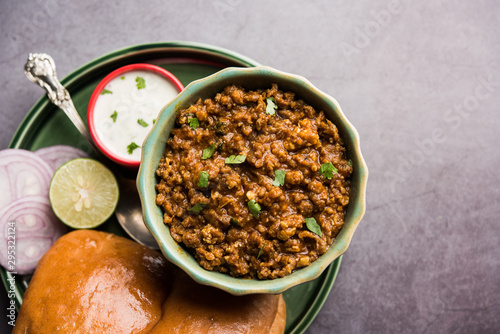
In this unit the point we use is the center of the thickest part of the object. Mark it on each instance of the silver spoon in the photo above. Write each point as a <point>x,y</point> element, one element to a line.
<point>41,69</point>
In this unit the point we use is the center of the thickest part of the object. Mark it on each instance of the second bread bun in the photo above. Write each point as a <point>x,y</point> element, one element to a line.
<point>194,308</point>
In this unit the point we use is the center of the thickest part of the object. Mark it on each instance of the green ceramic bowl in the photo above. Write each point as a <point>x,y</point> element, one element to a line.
<point>249,78</point>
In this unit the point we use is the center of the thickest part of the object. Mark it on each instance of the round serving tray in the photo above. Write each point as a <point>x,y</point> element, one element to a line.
<point>46,125</point>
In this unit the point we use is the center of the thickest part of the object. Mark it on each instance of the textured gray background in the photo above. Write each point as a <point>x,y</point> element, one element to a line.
<point>419,80</point>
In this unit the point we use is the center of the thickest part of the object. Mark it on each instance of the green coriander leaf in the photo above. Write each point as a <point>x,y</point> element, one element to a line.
<point>122,78</point>
<point>194,123</point>
<point>113,116</point>
<point>203,182</point>
<point>235,159</point>
<point>140,83</point>
<point>254,208</point>
<point>198,207</point>
<point>141,122</point>
<point>154,121</point>
<point>313,226</point>
<point>208,152</point>
<point>131,147</point>
<point>260,251</point>
<point>105,91</point>
<point>235,222</point>
<point>271,106</point>
<point>327,170</point>
<point>279,178</point>
<point>350,162</point>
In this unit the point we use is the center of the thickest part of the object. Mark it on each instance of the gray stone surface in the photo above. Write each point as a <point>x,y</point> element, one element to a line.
<point>419,79</point>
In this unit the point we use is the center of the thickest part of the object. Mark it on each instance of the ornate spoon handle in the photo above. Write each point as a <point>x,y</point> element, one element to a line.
<point>41,69</point>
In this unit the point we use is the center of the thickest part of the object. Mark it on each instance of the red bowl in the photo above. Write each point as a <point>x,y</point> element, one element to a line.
<point>130,163</point>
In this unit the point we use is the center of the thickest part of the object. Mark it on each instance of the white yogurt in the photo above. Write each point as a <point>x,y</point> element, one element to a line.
<point>124,114</point>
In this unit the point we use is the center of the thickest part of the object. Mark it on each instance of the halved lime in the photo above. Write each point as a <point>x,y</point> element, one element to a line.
<point>83,193</point>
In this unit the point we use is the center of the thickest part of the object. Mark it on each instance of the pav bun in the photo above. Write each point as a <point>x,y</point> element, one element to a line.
<point>194,308</point>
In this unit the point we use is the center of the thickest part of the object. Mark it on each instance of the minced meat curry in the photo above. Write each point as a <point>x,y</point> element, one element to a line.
<point>254,183</point>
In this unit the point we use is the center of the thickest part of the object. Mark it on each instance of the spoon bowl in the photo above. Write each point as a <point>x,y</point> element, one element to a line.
<point>129,214</point>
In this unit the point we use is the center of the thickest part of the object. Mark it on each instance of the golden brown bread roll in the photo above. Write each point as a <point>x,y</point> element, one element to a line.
<point>96,282</point>
<point>279,323</point>
<point>194,308</point>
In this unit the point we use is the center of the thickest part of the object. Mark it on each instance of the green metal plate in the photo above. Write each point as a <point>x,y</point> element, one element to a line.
<point>45,125</point>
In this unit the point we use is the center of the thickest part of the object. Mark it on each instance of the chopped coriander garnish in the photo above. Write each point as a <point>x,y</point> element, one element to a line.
<point>154,121</point>
<point>198,207</point>
<point>194,123</point>
<point>113,116</point>
<point>313,226</point>
<point>254,208</point>
<point>271,106</point>
<point>235,159</point>
<point>260,251</point>
<point>203,182</point>
<point>131,147</point>
<point>235,222</point>
<point>140,83</point>
<point>279,178</point>
<point>106,91</point>
<point>208,152</point>
<point>327,170</point>
<point>350,162</point>
<point>141,122</point>
<point>122,78</point>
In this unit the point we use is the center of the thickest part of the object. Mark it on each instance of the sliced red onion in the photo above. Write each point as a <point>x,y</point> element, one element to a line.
<point>58,155</point>
<point>29,225</point>
<point>6,194</point>
<point>22,173</point>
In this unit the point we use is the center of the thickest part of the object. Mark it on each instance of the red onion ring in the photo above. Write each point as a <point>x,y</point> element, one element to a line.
<point>31,227</point>
<point>58,155</point>
<point>22,173</point>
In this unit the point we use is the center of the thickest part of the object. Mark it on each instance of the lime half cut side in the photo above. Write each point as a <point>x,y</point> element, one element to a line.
<point>83,193</point>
